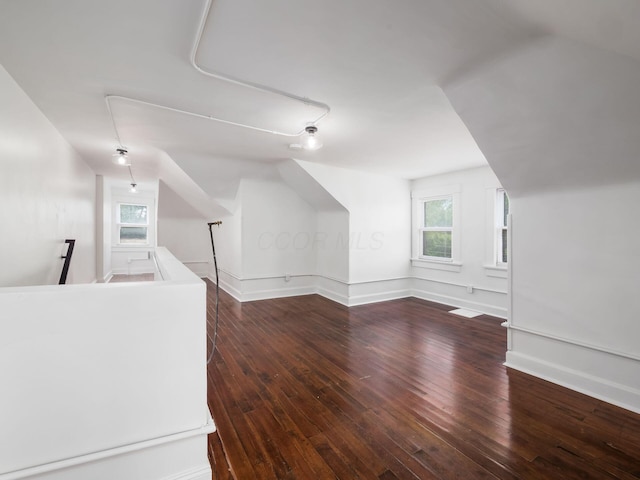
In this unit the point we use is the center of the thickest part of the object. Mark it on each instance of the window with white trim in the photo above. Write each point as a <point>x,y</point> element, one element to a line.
<point>436,228</point>
<point>133,224</point>
<point>502,213</point>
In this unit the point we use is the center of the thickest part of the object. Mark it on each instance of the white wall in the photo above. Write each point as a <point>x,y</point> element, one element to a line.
<point>47,194</point>
<point>278,230</point>
<point>446,283</point>
<point>379,220</point>
<point>99,375</point>
<point>103,229</point>
<point>331,244</point>
<point>228,243</point>
<point>575,302</point>
<point>581,262</point>
<point>558,122</point>
<point>131,259</point>
<point>347,235</point>
<point>265,247</point>
<point>184,231</point>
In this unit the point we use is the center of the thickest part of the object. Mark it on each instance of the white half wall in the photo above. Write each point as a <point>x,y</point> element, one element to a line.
<point>47,194</point>
<point>105,381</point>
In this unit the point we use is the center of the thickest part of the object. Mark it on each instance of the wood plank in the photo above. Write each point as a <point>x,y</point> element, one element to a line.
<point>304,388</point>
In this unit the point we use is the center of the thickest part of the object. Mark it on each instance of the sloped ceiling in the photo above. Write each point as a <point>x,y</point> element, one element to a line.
<point>556,115</point>
<point>385,68</point>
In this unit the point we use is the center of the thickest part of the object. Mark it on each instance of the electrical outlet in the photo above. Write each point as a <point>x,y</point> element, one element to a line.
<point>469,289</point>
<point>287,277</point>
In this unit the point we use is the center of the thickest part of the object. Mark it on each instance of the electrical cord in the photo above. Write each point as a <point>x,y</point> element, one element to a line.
<point>215,267</point>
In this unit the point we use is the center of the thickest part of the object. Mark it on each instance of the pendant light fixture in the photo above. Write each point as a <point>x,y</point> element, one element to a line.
<point>120,157</point>
<point>309,139</point>
<point>134,185</point>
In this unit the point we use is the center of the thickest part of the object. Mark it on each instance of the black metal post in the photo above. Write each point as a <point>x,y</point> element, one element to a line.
<point>67,261</point>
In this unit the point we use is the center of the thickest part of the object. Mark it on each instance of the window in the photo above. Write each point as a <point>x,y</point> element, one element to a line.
<point>436,230</point>
<point>435,214</point>
<point>502,213</point>
<point>133,224</point>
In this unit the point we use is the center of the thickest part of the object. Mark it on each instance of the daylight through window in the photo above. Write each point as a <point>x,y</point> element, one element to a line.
<point>502,213</point>
<point>133,224</point>
<point>437,228</point>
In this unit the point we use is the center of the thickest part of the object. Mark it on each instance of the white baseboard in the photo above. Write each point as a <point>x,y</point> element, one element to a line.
<point>199,473</point>
<point>366,298</point>
<point>277,293</point>
<point>235,293</point>
<point>454,301</point>
<point>359,293</point>
<point>181,456</point>
<point>607,376</point>
<point>333,295</point>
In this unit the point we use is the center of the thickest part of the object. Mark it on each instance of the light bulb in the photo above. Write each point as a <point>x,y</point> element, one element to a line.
<point>133,188</point>
<point>310,140</point>
<point>120,157</point>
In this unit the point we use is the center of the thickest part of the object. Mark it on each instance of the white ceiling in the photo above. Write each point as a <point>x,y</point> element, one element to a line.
<point>381,66</point>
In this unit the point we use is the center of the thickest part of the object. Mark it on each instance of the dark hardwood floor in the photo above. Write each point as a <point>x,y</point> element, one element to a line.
<point>304,388</point>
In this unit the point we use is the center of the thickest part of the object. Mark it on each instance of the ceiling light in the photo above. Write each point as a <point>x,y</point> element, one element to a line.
<point>310,140</point>
<point>120,157</point>
<point>133,183</point>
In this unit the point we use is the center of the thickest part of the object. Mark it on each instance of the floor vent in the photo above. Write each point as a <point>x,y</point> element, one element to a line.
<point>465,313</point>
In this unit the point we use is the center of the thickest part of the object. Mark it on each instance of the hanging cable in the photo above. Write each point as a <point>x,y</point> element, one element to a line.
<point>113,122</point>
<point>134,185</point>
<point>215,267</point>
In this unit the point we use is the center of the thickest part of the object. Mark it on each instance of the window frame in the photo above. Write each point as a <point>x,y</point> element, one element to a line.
<point>120,224</point>
<point>418,196</point>
<point>423,228</point>
<point>501,228</point>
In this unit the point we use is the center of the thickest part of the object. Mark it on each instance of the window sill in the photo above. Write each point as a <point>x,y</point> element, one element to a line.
<point>437,265</point>
<point>495,271</point>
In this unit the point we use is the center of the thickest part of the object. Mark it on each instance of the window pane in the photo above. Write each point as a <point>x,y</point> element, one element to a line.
<point>438,213</point>
<point>505,208</point>
<point>436,244</point>
<point>504,245</point>
<point>133,214</point>
<point>133,234</point>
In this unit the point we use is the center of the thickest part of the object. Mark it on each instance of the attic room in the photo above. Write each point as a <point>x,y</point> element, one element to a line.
<point>361,239</point>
